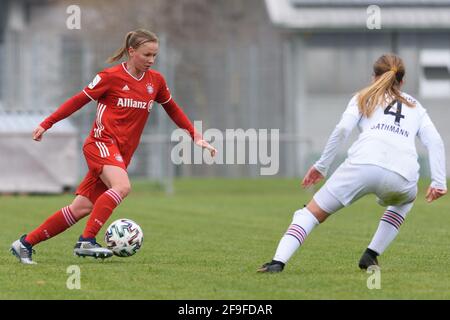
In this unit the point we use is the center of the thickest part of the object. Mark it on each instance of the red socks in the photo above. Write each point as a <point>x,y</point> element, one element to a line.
<point>103,209</point>
<point>64,218</point>
<point>54,225</point>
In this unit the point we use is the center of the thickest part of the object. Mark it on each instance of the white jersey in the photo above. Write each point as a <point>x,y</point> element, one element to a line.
<point>387,139</point>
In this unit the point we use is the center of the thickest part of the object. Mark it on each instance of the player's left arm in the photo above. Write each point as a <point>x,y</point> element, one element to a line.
<point>181,120</point>
<point>432,140</point>
<point>178,116</point>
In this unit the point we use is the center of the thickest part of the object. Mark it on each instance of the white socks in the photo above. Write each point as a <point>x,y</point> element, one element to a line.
<point>383,237</point>
<point>304,222</point>
<point>387,230</point>
<point>302,225</point>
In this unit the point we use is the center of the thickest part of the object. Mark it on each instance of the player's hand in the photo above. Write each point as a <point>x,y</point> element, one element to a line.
<point>434,193</point>
<point>202,143</point>
<point>312,177</point>
<point>38,133</point>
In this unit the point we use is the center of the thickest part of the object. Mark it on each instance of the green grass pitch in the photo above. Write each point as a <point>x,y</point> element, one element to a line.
<point>207,240</point>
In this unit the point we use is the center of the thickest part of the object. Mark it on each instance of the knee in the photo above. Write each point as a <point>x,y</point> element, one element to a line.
<point>318,213</point>
<point>315,217</point>
<point>123,190</point>
<point>80,212</point>
<point>321,217</point>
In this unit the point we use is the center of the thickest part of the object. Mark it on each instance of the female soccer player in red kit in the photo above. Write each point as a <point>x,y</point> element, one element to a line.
<point>124,94</point>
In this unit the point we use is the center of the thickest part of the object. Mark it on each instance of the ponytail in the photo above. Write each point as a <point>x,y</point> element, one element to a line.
<point>388,71</point>
<point>121,51</point>
<point>133,39</point>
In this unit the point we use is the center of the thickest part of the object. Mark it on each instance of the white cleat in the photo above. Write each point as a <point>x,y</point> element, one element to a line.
<point>90,248</point>
<point>22,252</point>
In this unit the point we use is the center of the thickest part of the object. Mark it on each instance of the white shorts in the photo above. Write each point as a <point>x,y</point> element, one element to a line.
<point>352,181</point>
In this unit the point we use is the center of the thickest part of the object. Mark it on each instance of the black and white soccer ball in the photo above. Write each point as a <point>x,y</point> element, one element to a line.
<point>124,237</point>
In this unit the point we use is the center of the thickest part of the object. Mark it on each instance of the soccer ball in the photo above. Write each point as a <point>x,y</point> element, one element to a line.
<point>124,237</point>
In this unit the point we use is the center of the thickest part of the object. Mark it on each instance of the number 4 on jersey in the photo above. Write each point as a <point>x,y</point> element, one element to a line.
<point>398,114</point>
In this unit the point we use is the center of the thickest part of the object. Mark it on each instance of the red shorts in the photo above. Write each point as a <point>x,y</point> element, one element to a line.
<point>98,154</point>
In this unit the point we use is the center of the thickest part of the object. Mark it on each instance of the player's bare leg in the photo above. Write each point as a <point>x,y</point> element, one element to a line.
<point>81,207</point>
<point>116,179</point>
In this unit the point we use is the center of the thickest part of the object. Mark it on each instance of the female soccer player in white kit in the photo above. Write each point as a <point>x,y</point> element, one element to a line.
<point>382,161</point>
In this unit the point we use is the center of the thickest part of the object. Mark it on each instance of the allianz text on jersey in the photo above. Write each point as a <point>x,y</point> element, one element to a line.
<point>130,103</point>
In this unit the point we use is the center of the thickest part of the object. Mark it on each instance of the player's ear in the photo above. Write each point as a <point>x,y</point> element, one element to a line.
<point>131,51</point>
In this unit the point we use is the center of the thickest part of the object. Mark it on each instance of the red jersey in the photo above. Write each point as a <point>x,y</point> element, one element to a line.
<point>123,106</point>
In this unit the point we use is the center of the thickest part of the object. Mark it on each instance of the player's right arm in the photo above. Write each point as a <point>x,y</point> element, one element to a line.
<point>66,109</point>
<point>93,92</point>
<point>432,140</point>
<point>348,122</point>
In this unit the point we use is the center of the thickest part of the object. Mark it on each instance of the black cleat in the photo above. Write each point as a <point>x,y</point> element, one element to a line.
<point>369,258</point>
<point>272,267</point>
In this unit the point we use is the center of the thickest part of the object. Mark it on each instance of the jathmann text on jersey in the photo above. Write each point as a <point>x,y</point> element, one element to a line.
<point>391,128</point>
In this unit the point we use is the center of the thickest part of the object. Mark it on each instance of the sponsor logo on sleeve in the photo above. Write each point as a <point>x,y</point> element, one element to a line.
<point>94,82</point>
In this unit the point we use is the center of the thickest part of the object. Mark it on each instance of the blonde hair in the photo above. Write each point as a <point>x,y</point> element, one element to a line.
<point>388,71</point>
<point>133,39</point>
